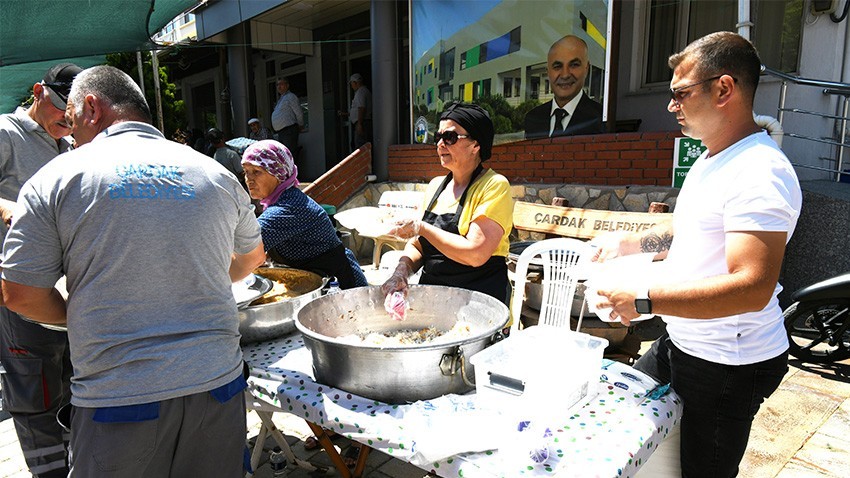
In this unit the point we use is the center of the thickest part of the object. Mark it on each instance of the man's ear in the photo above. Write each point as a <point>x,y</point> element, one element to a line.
<point>92,109</point>
<point>37,90</point>
<point>725,90</point>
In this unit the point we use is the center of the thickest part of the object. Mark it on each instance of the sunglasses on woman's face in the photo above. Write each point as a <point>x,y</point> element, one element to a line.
<point>449,137</point>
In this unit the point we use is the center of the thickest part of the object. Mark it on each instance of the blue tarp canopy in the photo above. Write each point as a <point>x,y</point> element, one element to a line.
<point>35,34</point>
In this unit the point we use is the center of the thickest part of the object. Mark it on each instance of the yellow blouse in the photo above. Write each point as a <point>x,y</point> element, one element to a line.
<point>489,196</point>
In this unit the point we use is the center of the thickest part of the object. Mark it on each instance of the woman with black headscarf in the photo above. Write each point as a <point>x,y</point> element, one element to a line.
<point>462,238</point>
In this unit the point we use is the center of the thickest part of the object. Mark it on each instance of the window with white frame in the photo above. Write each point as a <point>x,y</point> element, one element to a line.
<point>669,25</point>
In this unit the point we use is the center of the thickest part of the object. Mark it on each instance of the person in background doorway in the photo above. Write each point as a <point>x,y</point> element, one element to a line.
<point>725,349</point>
<point>360,113</point>
<point>258,131</point>
<point>571,111</point>
<point>36,361</point>
<point>201,144</point>
<point>287,117</point>
<point>128,217</point>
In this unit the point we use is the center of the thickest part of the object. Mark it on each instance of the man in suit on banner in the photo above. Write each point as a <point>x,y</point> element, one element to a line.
<point>571,111</point>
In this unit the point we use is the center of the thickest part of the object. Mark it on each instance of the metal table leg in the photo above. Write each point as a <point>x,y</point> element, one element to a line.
<point>265,411</point>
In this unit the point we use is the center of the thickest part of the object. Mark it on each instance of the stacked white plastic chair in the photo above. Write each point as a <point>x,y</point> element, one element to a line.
<point>562,260</point>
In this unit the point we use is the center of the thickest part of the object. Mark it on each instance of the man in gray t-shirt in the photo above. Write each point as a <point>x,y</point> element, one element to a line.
<point>36,361</point>
<point>150,235</point>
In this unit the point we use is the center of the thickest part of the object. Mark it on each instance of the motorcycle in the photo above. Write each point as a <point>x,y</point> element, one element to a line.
<point>818,322</point>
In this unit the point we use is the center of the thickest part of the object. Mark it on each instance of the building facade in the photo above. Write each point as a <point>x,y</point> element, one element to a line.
<point>247,45</point>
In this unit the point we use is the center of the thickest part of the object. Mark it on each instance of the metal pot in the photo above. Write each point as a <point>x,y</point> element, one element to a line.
<point>534,297</point>
<point>514,251</point>
<point>399,374</point>
<point>269,321</point>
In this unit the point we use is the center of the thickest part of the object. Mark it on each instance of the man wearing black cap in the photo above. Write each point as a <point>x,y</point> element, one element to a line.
<point>36,380</point>
<point>158,372</point>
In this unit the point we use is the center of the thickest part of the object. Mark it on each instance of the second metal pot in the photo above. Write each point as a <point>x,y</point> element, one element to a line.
<point>273,320</point>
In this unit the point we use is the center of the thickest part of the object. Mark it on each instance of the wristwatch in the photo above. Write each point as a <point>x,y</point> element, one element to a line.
<point>643,305</point>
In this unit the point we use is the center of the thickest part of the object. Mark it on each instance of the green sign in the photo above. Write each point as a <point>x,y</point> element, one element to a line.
<point>685,153</point>
<point>679,176</point>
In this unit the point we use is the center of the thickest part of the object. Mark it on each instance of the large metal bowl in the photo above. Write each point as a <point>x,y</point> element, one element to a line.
<point>399,374</point>
<point>273,320</point>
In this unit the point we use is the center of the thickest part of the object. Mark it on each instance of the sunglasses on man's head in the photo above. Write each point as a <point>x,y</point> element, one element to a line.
<point>679,94</point>
<point>449,137</point>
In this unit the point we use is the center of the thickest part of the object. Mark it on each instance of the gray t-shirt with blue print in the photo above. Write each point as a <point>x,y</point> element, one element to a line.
<point>144,229</point>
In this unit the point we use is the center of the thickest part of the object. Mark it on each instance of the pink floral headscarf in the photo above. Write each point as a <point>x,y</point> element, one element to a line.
<point>275,159</point>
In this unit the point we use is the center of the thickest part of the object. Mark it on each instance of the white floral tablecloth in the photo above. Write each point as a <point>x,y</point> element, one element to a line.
<point>612,436</point>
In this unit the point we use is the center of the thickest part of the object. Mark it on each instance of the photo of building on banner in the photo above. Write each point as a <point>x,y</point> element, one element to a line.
<point>539,68</point>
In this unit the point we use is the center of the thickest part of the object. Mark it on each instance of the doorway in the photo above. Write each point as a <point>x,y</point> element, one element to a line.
<point>355,56</point>
<point>204,106</point>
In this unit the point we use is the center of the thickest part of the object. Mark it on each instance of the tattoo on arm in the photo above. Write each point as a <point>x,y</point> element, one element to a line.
<point>655,243</point>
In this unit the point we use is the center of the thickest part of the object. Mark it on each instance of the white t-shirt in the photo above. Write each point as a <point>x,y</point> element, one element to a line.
<point>749,186</point>
<point>362,98</point>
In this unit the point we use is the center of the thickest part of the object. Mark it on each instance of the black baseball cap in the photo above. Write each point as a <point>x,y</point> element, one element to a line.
<point>59,79</point>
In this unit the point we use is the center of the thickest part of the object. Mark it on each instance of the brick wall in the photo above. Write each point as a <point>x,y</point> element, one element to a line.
<point>620,159</point>
<point>343,180</point>
<point>605,159</point>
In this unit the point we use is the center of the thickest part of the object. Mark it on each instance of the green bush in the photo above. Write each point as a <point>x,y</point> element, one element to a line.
<point>506,119</point>
<point>502,124</point>
<point>173,110</point>
<point>518,114</point>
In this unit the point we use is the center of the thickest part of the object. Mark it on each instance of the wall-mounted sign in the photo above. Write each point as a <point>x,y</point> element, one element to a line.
<point>685,153</point>
<point>582,223</point>
<point>420,129</point>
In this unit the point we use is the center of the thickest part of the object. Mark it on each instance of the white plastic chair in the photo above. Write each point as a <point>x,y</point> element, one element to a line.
<point>389,260</point>
<point>403,204</point>
<point>562,260</point>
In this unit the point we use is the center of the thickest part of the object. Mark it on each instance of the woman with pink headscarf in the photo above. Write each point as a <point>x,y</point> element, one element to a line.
<point>297,231</point>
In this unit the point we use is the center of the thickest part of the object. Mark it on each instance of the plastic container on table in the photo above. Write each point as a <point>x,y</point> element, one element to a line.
<point>545,369</point>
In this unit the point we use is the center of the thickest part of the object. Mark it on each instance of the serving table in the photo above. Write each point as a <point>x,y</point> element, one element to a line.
<point>612,436</point>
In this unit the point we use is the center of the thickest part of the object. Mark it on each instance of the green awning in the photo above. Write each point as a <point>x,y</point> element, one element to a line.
<point>16,81</point>
<point>35,34</point>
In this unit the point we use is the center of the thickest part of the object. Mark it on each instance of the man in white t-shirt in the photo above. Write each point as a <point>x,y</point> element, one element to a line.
<point>725,349</point>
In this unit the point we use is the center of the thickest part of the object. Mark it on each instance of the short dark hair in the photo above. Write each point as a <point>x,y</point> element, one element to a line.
<point>215,135</point>
<point>723,53</point>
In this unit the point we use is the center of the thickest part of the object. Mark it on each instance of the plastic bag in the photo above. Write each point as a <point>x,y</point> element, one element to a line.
<point>396,305</point>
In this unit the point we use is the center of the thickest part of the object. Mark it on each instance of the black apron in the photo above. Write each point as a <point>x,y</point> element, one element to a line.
<point>490,278</point>
<point>333,262</point>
